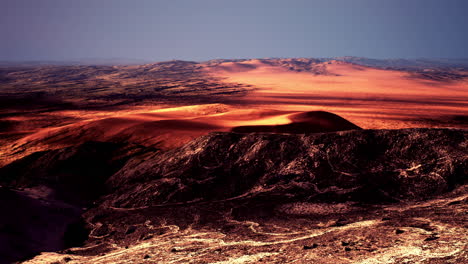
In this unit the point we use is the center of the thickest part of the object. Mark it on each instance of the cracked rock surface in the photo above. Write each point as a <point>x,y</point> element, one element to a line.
<point>367,196</point>
<point>369,166</point>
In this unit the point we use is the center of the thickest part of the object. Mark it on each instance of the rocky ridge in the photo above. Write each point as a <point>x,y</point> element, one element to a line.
<point>370,166</point>
<point>235,191</point>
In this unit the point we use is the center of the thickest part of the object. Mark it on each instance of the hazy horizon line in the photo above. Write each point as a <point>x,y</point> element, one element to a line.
<point>81,60</point>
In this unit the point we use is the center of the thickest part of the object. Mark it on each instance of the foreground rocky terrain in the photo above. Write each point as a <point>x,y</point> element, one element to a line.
<point>359,196</point>
<point>299,160</point>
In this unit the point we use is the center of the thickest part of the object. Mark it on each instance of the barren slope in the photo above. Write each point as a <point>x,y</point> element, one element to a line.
<point>356,196</point>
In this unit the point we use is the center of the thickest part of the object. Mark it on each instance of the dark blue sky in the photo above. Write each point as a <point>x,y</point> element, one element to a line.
<point>207,29</point>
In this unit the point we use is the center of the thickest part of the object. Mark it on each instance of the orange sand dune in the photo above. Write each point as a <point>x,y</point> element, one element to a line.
<point>281,101</point>
<point>307,122</point>
<point>368,97</point>
<point>343,79</point>
<point>171,127</point>
<point>149,127</point>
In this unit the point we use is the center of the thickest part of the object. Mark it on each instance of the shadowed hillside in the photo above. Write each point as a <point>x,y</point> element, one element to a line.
<point>309,122</point>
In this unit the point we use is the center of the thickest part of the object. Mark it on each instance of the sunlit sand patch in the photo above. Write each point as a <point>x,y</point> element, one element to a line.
<point>167,127</point>
<point>344,79</point>
<point>195,109</point>
<point>347,87</point>
<point>368,97</point>
<point>246,258</point>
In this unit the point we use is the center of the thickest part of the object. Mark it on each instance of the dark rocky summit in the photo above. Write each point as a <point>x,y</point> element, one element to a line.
<point>254,191</point>
<point>369,166</point>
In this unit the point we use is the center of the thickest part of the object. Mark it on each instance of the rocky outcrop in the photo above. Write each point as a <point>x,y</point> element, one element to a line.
<point>31,222</point>
<point>75,174</point>
<point>363,165</point>
<point>218,181</point>
<point>369,166</point>
<point>44,195</point>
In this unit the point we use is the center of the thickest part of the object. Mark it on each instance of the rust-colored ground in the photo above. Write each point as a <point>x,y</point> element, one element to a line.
<point>165,105</point>
<point>370,98</point>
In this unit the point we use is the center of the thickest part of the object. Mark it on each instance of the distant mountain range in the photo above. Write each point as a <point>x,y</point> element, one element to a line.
<point>86,61</point>
<point>406,64</point>
<point>415,64</point>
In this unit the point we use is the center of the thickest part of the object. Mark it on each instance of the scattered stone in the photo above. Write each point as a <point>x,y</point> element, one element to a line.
<point>175,249</point>
<point>431,238</point>
<point>340,222</point>
<point>399,231</point>
<point>371,249</point>
<point>146,236</point>
<point>423,225</point>
<point>347,249</point>
<point>67,259</point>
<point>314,245</point>
<point>344,243</point>
<point>130,229</point>
<point>146,256</point>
